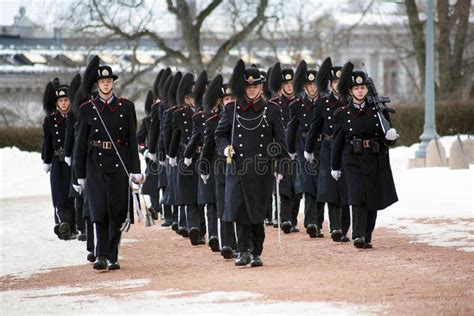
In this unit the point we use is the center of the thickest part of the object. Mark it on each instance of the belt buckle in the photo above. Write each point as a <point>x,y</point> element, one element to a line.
<point>106,145</point>
<point>366,143</point>
<point>320,137</point>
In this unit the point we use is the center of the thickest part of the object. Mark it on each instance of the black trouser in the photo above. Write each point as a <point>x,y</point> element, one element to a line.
<point>80,222</point>
<point>227,234</point>
<point>345,219</point>
<point>211,212</point>
<point>155,203</point>
<point>167,213</point>
<point>90,235</point>
<point>313,211</point>
<point>195,217</point>
<point>107,239</point>
<point>334,217</point>
<point>296,210</point>
<point>287,206</point>
<point>363,222</point>
<point>251,237</point>
<point>181,216</point>
<point>174,213</point>
<point>66,215</point>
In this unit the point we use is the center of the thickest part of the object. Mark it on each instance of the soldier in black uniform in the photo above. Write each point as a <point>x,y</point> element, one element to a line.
<point>187,177</point>
<point>155,142</point>
<point>323,122</point>
<point>57,105</point>
<point>250,134</point>
<point>150,187</point>
<point>301,113</point>
<point>107,157</point>
<point>281,82</point>
<point>212,165</point>
<point>360,150</point>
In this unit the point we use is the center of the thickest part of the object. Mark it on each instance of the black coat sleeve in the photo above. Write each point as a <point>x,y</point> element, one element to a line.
<point>69,139</point>
<point>47,150</point>
<point>195,138</point>
<point>80,154</point>
<point>315,128</point>
<point>279,138</point>
<point>292,129</point>
<point>176,136</point>
<point>208,148</point>
<point>338,143</point>
<point>142,133</point>
<point>132,140</point>
<point>167,131</point>
<point>154,130</point>
<point>223,132</point>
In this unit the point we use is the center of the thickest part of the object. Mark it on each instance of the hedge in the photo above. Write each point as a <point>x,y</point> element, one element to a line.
<point>451,119</point>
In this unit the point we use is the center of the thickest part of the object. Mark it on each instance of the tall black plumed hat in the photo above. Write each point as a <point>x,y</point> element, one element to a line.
<point>200,88</point>
<point>156,83</point>
<point>215,90</point>
<point>345,81</point>
<point>150,99</point>
<point>185,88</point>
<point>173,89</point>
<point>162,90</point>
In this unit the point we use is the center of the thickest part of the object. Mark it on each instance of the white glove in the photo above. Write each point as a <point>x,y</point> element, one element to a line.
<point>137,178</point>
<point>47,167</point>
<point>204,178</point>
<point>336,174</point>
<point>82,183</point>
<point>226,151</point>
<point>308,156</point>
<point>278,177</point>
<point>391,134</point>
<point>68,161</point>
<point>162,163</point>
<point>292,156</point>
<point>78,188</point>
<point>173,162</point>
<point>188,161</point>
<point>150,156</point>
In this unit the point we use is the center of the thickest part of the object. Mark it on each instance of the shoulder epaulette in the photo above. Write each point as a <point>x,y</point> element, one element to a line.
<point>197,113</point>
<point>341,109</point>
<point>213,117</point>
<point>85,103</point>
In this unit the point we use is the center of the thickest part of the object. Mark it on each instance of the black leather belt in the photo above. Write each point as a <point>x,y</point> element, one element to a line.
<point>360,144</point>
<point>105,144</point>
<point>59,152</point>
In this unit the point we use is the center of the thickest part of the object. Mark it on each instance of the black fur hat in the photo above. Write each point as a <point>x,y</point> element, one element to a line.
<point>185,88</point>
<point>275,80</point>
<point>165,87</point>
<point>200,88</point>
<point>237,80</point>
<point>90,75</point>
<point>161,85</point>
<point>156,83</point>
<point>173,89</point>
<point>324,74</point>
<point>150,99</point>
<point>215,90</point>
<point>49,95</point>
<point>74,88</point>
<point>345,81</point>
<point>267,91</point>
<point>300,77</point>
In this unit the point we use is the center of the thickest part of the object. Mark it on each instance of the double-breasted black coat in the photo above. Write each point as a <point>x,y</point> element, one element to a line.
<point>107,182</point>
<point>368,173</point>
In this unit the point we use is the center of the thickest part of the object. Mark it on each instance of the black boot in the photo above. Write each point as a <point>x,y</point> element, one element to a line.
<point>90,257</point>
<point>113,265</point>
<point>243,259</point>
<point>312,230</point>
<point>166,223</point>
<point>286,227</point>
<point>214,244</point>
<point>336,235</point>
<point>227,252</point>
<point>194,236</point>
<point>359,242</point>
<point>256,261</point>
<point>183,232</point>
<point>100,263</point>
<point>344,238</point>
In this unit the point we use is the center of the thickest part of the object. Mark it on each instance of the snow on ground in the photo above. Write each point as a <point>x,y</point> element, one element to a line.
<point>49,301</point>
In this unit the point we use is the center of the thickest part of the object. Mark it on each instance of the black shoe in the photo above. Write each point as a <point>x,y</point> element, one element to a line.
<point>100,263</point>
<point>320,234</point>
<point>56,231</point>
<point>344,238</point>
<point>166,223</point>
<point>256,261</point>
<point>82,237</point>
<point>227,252</point>
<point>275,224</point>
<point>295,229</point>
<point>90,257</point>
<point>368,245</point>
<point>214,244</point>
<point>183,232</point>
<point>268,222</point>
<point>235,254</point>
<point>113,265</point>
<point>154,214</point>
<point>64,231</point>
<point>312,230</point>
<point>336,235</point>
<point>202,240</point>
<point>359,242</point>
<point>174,226</point>
<point>286,227</point>
<point>194,236</point>
<point>243,259</point>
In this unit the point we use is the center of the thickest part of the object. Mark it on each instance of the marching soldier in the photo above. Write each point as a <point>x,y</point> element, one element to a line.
<point>281,82</point>
<point>301,112</point>
<point>187,177</point>
<point>360,150</point>
<point>212,164</point>
<point>57,106</point>
<point>323,122</point>
<point>250,134</point>
<point>107,158</point>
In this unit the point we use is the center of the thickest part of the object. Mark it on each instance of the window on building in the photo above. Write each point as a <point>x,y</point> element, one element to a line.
<point>390,77</point>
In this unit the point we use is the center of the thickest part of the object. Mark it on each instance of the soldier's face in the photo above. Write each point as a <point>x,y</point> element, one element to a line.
<point>253,91</point>
<point>311,89</point>
<point>105,85</point>
<point>359,92</point>
<point>228,99</point>
<point>334,85</point>
<point>63,104</point>
<point>189,100</point>
<point>287,87</point>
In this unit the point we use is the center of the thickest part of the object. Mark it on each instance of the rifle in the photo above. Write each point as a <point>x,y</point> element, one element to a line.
<point>379,102</point>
